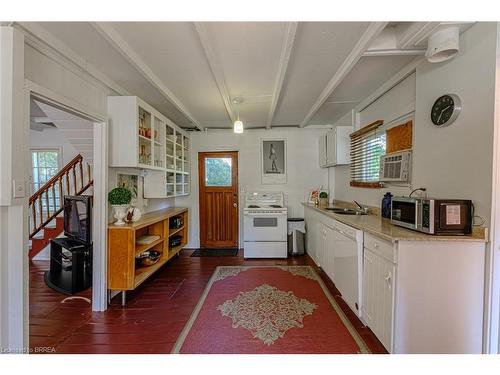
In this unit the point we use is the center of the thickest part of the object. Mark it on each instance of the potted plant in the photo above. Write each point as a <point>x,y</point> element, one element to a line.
<point>323,198</point>
<point>120,198</point>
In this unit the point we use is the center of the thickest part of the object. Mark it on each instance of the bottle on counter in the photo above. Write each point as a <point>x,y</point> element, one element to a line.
<point>386,205</point>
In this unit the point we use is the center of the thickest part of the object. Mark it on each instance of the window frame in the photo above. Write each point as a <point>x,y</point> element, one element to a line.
<point>364,133</point>
<point>59,151</point>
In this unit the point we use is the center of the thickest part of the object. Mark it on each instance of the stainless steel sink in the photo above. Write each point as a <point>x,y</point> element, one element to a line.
<point>345,211</point>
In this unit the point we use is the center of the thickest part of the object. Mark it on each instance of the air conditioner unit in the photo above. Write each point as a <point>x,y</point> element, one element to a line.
<point>395,167</point>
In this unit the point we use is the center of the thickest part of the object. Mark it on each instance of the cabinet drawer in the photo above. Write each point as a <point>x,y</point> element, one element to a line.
<point>380,247</point>
<point>344,229</point>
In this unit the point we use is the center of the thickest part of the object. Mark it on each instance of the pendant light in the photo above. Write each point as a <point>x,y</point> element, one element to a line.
<point>238,124</point>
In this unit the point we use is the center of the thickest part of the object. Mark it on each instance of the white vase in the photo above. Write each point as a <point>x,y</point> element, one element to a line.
<point>120,212</point>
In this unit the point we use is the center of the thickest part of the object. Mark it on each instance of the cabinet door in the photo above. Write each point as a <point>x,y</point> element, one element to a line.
<point>378,292</point>
<point>331,147</point>
<point>322,151</point>
<point>329,252</point>
<point>312,235</point>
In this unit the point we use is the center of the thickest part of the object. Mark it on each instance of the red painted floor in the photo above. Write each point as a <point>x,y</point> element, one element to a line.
<point>155,313</point>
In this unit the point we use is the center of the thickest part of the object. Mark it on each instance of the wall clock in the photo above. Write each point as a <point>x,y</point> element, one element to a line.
<point>446,109</point>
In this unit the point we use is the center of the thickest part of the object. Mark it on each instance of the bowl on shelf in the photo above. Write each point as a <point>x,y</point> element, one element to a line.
<point>148,258</point>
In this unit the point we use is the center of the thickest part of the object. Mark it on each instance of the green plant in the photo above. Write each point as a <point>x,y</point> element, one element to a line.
<point>119,195</point>
<point>323,194</point>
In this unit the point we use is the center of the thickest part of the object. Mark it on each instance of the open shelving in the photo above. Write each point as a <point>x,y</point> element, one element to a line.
<point>124,272</point>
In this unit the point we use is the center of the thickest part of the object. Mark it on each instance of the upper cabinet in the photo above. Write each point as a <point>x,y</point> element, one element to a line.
<point>334,147</point>
<point>141,137</point>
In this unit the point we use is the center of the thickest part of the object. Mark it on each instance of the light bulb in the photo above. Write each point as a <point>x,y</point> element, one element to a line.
<point>238,126</point>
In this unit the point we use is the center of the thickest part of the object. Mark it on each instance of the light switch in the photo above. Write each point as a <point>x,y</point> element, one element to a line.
<point>19,188</point>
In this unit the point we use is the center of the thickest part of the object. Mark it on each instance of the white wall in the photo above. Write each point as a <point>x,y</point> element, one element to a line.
<point>455,161</point>
<point>302,164</point>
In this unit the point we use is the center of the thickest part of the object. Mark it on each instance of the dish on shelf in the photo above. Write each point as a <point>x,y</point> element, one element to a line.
<point>148,258</point>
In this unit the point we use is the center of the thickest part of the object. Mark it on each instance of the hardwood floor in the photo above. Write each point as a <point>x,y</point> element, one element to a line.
<point>155,313</point>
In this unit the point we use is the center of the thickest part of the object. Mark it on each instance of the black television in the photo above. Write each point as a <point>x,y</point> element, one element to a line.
<point>78,218</point>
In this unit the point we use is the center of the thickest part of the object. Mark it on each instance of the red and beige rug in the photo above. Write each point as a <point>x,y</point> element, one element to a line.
<point>273,309</point>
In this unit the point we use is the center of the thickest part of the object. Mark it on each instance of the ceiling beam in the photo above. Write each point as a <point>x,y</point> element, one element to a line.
<point>414,33</point>
<point>215,67</point>
<point>373,30</point>
<point>120,45</point>
<point>393,52</point>
<point>286,51</point>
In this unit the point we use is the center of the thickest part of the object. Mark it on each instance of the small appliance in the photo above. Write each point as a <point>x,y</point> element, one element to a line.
<point>395,167</point>
<point>433,216</point>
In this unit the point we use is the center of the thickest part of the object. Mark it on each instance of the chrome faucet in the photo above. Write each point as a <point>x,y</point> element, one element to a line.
<point>361,208</point>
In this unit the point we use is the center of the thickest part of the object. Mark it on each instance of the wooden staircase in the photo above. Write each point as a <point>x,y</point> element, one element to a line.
<point>46,205</point>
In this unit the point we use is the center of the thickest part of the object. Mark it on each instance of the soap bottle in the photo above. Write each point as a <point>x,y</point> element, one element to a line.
<point>386,205</point>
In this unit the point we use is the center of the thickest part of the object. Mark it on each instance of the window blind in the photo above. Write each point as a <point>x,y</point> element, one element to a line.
<point>367,145</point>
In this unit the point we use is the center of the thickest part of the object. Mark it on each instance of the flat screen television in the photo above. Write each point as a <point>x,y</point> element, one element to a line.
<point>78,218</point>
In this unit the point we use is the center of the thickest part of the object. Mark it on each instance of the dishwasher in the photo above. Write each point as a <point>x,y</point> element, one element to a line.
<point>348,264</point>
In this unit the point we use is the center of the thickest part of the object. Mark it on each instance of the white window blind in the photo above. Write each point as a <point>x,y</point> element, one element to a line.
<point>367,145</point>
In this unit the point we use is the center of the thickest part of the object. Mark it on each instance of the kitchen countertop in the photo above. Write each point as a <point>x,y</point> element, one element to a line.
<point>382,227</point>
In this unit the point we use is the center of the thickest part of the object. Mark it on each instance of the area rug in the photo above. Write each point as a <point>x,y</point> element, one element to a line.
<point>215,253</point>
<point>268,309</point>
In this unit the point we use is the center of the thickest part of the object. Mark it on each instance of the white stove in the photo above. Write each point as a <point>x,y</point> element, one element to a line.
<point>265,225</point>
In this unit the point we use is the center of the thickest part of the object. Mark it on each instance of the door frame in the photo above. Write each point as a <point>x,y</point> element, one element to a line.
<point>200,182</point>
<point>100,185</point>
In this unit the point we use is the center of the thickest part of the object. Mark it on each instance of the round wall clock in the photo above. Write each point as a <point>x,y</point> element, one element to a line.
<point>446,109</point>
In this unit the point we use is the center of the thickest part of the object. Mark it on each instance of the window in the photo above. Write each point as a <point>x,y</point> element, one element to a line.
<point>45,164</point>
<point>367,145</point>
<point>218,172</point>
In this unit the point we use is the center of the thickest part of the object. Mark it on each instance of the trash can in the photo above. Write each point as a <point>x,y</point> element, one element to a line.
<point>296,231</point>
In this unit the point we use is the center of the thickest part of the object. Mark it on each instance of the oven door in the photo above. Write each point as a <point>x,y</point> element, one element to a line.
<point>265,226</point>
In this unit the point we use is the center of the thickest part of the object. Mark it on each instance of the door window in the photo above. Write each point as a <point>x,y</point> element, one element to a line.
<point>218,172</point>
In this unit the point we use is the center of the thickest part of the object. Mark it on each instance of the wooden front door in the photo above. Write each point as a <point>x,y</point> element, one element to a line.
<point>218,181</point>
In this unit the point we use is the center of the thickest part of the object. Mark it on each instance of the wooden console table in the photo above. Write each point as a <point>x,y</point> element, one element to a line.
<point>123,273</point>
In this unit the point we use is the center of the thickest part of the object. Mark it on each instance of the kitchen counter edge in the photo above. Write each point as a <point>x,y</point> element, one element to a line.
<point>382,227</point>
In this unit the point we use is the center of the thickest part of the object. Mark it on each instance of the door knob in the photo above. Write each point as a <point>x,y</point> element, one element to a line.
<point>235,205</point>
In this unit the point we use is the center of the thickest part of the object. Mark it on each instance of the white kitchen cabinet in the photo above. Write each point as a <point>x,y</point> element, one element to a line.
<point>334,147</point>
<point>378,296</point>
<point>419,295</point>
<point>323,162</point>
<point>141,137</point>
<point>312,233</point>
<point>325,247</point>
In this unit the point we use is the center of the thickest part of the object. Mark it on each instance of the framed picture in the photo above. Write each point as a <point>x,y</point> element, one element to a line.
<point>273,161</point>
<point>128,181</point>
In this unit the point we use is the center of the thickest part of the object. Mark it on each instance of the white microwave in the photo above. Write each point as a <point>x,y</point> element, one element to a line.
<point>395,167</point>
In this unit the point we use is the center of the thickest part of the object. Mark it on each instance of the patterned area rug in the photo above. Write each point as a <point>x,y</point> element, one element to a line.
<point>273,309</point>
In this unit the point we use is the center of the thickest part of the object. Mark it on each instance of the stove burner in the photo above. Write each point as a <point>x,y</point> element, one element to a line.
<point>253,206</point>
<point>275,206</point>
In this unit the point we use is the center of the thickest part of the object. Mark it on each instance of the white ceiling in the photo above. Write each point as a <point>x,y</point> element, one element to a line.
<point>78,131</point>
<point>193,71</point>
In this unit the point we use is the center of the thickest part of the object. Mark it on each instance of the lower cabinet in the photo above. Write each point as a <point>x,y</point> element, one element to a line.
<point>326,250</point>
<point>378,296</point>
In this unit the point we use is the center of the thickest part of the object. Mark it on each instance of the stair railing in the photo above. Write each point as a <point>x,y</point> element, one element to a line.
<point>48,201</point>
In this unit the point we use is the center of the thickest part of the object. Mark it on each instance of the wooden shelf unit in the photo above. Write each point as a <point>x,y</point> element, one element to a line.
<point>123,273</point>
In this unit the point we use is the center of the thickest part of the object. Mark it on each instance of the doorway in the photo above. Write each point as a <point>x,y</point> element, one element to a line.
<point>218,184</point>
